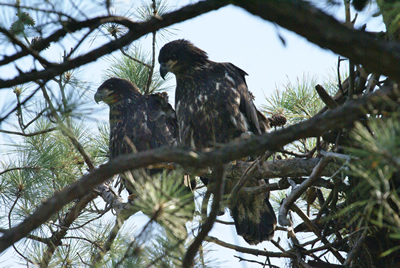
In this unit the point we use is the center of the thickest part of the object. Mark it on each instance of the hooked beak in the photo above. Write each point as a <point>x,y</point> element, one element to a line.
<point>163,70</point>
<point>98,97</point>
<point>101,94</point>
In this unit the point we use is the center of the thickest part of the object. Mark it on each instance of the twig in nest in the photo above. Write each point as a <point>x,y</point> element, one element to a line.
<point>295,194</point>
<point>317,232</point>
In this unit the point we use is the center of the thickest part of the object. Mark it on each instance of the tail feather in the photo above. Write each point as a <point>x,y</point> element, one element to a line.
<point>254,218</point>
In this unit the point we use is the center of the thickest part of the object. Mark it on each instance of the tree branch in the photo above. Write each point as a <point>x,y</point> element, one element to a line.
<point>136,30</point>
<point>218,188</point>
<point>255,252</point>
<point>363,48</point>
<point>328,100</point>
<point>57,237</point>
<point>110,240</point>
<point>28,134</point>
<point>246,175</point>
<point>315,126</point>
<point>293,167</point>
<point>317,232</point>
<point>298,191</point>
<point>67,131</point>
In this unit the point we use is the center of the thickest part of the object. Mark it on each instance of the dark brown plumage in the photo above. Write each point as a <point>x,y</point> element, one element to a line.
<point>137,122</point>
<point>213,105</point>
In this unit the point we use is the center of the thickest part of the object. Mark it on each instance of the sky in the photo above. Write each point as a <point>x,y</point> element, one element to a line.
<point>230,34</point>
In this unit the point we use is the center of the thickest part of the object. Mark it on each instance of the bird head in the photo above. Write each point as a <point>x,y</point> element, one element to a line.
<point>179,56</point>
<point>113,89</point>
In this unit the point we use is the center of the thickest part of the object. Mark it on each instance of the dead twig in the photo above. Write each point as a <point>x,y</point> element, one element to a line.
<point>296,193</point>
<point>218,187</point>
<point>251,251</point>
<point>29,134</point>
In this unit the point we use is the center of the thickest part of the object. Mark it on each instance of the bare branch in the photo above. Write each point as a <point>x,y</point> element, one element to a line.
<point>297,192</point>
<point>317,232</point>
<point>353,253</point>
<point>225,222</point>
<point>132,58</point>
<point>28,134</point>
<point>218,188</point>
<point>254,261</point>
<point>153,52</point>
<point>255,252</point>
<point>18,168</point>
<point>27,50</point>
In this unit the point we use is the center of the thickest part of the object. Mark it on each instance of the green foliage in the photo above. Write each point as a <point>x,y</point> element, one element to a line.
<point>147,11</point>
<point>298,101</point>
<point>390,11</point>
<point>167,201</point>
<point>47,162</point>
<point>161,242</point>
<point>375,175</point>
<point>18,26</point>
<point>44,164</point>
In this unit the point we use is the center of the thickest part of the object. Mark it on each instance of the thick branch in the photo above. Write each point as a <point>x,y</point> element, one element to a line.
<point>246,175</point>
<point>256,145</point>
<point>294,167</point>
<point>323,30</point>
<point>67,28</point>
<point>136,30</point>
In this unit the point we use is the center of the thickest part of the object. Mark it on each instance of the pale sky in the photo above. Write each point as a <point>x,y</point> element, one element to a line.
<point>233,35</point>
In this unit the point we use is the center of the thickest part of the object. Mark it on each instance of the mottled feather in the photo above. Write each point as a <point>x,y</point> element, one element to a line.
<point>213,105</point>
<point>137,122</point>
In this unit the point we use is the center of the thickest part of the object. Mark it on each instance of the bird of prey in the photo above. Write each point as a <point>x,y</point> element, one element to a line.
<point>213,106</point>
<point>137,122</point>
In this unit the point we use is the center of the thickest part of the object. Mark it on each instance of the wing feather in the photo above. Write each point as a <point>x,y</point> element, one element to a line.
<point>258,122</point>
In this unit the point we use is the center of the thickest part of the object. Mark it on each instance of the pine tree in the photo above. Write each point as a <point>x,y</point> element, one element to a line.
<point>333,168</point>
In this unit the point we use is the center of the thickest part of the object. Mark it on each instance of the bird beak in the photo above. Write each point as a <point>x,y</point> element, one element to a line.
<point>100,95</point>
<point>163,70</point>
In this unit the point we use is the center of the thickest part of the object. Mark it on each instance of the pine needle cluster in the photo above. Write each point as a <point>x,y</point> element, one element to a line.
<point>374,200</point>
